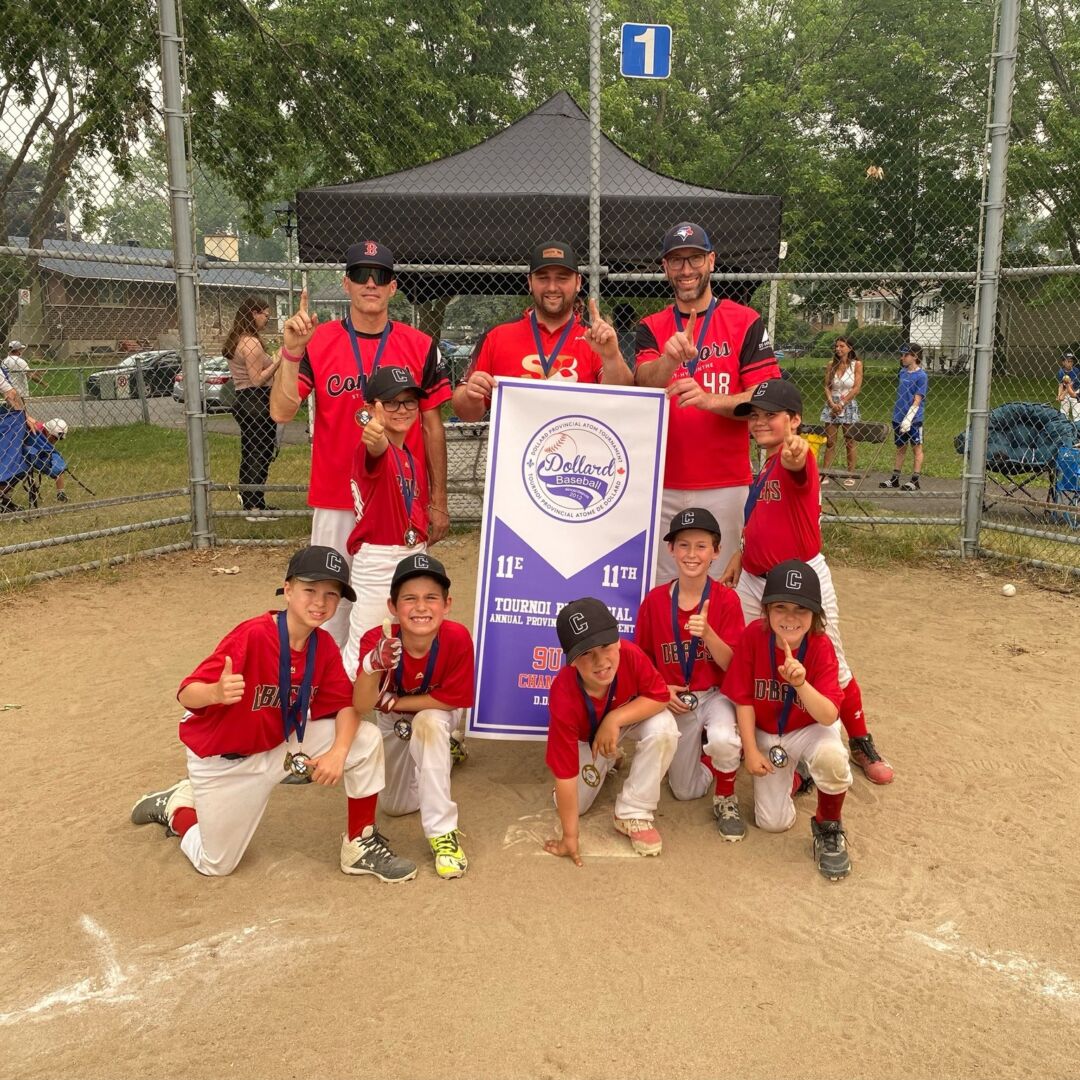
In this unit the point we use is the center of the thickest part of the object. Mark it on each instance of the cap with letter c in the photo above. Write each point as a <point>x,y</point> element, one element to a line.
<point>793,582</point>
<point>388,382</point>
<point>771,396</point>
<point>318,563</point>
<point>419,565</point>
<point>694,517</point>
<point>583,625</point>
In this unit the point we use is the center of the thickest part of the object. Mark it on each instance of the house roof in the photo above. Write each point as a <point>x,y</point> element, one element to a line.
<point>112,265</point>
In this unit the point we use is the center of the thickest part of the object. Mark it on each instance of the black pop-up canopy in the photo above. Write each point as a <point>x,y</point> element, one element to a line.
<point>530,182</point>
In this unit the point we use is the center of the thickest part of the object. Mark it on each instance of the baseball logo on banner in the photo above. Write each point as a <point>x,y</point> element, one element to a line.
<point>571,509</point>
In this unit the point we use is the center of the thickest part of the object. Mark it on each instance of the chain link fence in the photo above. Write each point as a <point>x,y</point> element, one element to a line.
<point>837,160</point>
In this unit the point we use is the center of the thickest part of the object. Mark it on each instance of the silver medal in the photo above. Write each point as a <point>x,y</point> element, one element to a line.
<point>778,756</point>
<point>364,417</point>
<point>299,764</point>
<point>403,727</point>
<point>688,698</point>
<point>411,537</point>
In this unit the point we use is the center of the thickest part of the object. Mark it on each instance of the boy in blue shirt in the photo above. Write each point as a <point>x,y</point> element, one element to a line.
<point>907,417</point>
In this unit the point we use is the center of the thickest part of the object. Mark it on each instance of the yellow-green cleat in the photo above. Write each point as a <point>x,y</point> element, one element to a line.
<point>450,861</point>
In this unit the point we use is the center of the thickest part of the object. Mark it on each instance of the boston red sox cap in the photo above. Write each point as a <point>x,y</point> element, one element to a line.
<point>772,395</point>
<point>419,565</point>
<point>317,563</point>
<point>553,253</point>
<point>795,582</point>
<point>388,382</point>
<point>693,518</point>
<point>369,253</point>
<point>685,235</point>
<point>584,624</point>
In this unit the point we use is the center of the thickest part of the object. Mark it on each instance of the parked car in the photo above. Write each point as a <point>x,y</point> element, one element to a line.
<point>159,368</point>
<point>218,392</point>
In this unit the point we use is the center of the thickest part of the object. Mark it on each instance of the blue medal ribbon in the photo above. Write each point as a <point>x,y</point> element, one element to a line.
<point>590,708</point>
<point>545,362</point>
<point>757,487</point>
<point>703,329</point>
<point>354,341</point>
<point>688,655</point>
<point>787,691</point>
<point>406,483</point>
<point>294,713</point>
<point>429,671</point>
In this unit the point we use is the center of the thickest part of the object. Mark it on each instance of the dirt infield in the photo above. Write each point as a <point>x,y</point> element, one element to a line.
<point>950,952</point>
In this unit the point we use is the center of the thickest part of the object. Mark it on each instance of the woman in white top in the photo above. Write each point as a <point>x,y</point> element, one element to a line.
<point>252,370</point>
<point>843,381</point>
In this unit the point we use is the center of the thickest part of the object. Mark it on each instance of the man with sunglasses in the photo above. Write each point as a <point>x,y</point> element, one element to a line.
<point>335,361</point>
<point>709,355</point>
<point>549,341</point>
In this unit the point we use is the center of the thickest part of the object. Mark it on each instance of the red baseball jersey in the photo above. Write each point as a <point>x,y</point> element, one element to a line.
<point>705,450</point>
<point>655,636</point>
<point>786,520</point>
<point>750,679</point>
<point>378,487</point>
<point>452,680</point>
<point>254,723</point>
<point>329,369</point>
<point>568,724</point>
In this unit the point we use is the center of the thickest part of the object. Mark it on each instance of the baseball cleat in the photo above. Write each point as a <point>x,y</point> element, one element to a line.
<point>644,838</point>
<point>370,853</point>
<point>830,849</point>
<point>159,806</point>
<point>729,823</point>
<point>450,860</point>
<point>864,753</point>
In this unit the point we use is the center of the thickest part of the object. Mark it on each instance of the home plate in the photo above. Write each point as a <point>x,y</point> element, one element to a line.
<point>598,838</point>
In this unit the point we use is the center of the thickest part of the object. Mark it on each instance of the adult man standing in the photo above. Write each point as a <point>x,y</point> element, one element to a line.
<point>334,361</point>
<point>709,355</point>
<point>17,370</point>
<point>548,342</point>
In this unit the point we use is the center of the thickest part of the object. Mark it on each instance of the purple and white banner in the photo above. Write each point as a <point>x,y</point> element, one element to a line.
<point>571,509</point>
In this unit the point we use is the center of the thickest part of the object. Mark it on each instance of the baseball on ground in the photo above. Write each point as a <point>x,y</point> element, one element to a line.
<point>1008,590</point>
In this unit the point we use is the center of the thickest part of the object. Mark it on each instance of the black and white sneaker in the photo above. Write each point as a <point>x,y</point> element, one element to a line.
<point>911,485</point>
<point>892,482</point>
<point>830,849</point>
<point>370,853</point>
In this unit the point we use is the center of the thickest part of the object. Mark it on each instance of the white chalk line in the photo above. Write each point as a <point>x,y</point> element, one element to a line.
<point>598,839</point>
<point>1025,973</point>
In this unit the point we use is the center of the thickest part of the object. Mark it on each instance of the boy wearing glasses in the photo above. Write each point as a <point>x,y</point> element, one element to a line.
<point>390,495</point>
<point>709,354</point>
<point>334,362</point>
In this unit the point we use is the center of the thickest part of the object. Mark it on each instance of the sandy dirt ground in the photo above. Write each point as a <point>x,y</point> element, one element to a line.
<point>951,951</point>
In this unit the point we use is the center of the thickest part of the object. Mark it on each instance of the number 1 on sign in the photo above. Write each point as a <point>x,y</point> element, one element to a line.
<point>507,564</point>
<point>648,38</point>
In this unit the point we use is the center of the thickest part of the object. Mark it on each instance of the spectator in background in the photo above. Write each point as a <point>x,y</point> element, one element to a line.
<point>843,381</point>
<point>12,434</point>
<point>17,371</point>
<point>252,370</point>
<point>1068,391</point>
<point>907,417</point>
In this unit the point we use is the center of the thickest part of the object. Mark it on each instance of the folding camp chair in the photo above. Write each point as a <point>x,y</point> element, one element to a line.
<point>1064,492</point>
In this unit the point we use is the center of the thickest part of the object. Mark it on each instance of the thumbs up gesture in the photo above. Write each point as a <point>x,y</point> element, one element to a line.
<point>298,328</point>
<point>374,437</point>
<point>682,345</point>
<point>230,687</point>
<point>697,623</point>
<point>601,335</point>
<point>792,671</point>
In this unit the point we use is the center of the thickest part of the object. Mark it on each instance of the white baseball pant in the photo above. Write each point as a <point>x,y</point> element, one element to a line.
<point>822,749</point>
<point>418,769</point>
<point>657,738</point>
<point>751,589</point>
<point>725,504</point>
<point>231,795</point>
<point>688,778</point>
<point>331,528</point>
<point>372,571</point>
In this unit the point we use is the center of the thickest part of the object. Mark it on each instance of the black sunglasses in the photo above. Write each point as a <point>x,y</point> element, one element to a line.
<point>379,274</point>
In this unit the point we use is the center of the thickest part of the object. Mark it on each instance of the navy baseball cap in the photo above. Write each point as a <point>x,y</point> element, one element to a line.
<point>583,625</point>
<point>317,563</point>
<point>419,565</point>
<point>795,582</point>
<point>695,517</point>
<point>388,382</point>
<point>772,395</point>
<point>685,235</point>
<point>915,350</point>
<point>553,253</point>
<point>369,253</point>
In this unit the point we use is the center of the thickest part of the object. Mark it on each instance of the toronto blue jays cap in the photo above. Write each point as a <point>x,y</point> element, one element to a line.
<point>794,582</point>
<point>685,235</point>
<point>317,563</point>
<point>695,517</point>
<point>772,395</point>
<point>369,253</point>
<point>583,625</point>
<point>419,565</point>
<point>388,382</point>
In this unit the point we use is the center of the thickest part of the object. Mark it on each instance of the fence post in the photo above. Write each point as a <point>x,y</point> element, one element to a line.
<point>140,389</point>
<point>986,298</point>
<point>595,17</point>
<point>184,264</point>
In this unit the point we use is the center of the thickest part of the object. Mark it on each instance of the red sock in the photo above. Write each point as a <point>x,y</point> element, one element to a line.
<point>725,781</point>
<point>361,814</point>
<point>796,783</point>
<point>182,820</point>
<point>829,806</point>
<point>851,711</point>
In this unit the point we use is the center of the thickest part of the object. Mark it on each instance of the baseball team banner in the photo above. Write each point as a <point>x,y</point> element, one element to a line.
<point>571,509</point>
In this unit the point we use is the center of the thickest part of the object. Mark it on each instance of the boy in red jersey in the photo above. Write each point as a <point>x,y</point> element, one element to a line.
<point>418,677</point>
<point>688,629</point>
<point>608,691</point>
<point>783,680</point>
<point>783,521</point>
<point>273,698</point>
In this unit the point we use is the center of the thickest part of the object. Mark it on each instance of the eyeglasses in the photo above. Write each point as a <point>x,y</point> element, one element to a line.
<point>677,262</point>
<point>408,404</point>
<point>360,274</point>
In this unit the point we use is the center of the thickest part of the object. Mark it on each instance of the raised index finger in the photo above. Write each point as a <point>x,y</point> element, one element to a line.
<point>787,649</point>
<point>594,311</point>
<point>303,302</point>
<point>690,324</point>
